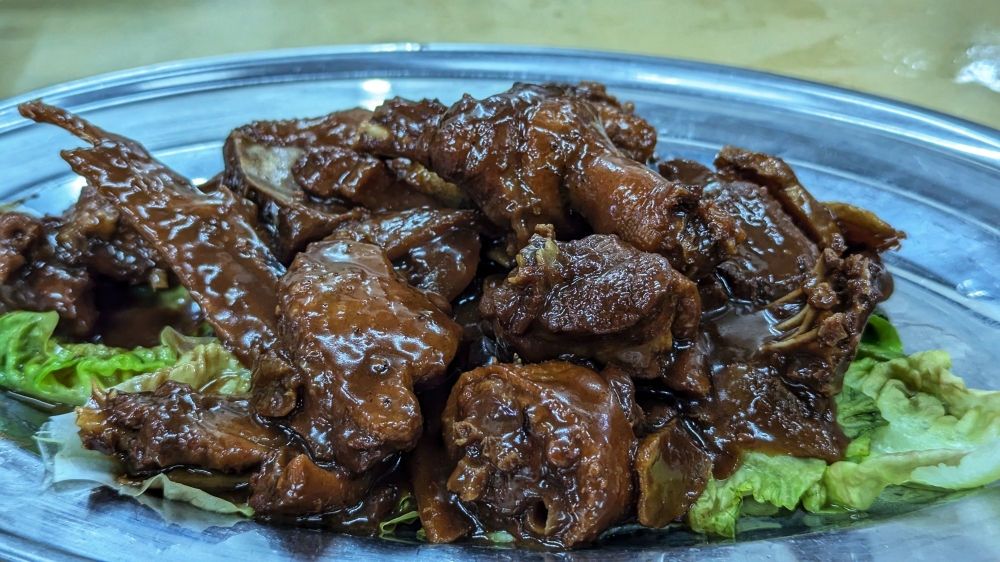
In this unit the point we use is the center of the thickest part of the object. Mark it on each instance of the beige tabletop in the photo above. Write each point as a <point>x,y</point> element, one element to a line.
<point>941,54</point>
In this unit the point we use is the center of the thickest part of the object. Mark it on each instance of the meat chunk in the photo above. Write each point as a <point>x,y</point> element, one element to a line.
<point>175,426</point>
<point>34,277</point>
<point>207,239</point>
<point>93,235</point>
<point>362,339</point>
<point>286,217</point>
<point>631,134</point>
<point>623,388</point>
<point>339,128</point>
<point>422,180</point>
<point>482,147</point>
<point>436,250</point>
<point>19,234</point>
<point>753,407</point>
<point>672,471</point>
<point>543,451</point>
<point>63,263</point>
<point>771,393</point>
<point>775,393</point>
<point>441,516</point>
<point>533,154</point>
<point>774,174</point>
<point>360,179</point>
<point>831,310</point>
<point>864,230</point>
<point>303,175</point>
<point>687,172</point>
<point>776,255</point>
<point>597,298</point>
<point>289,483</point>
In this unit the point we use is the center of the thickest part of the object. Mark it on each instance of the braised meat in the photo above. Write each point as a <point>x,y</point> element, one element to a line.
<point>623,388</point>
<point>287,218</point>
<point>93,235</point>
<point>630,133</point>
<point>33,277</point>
<point>596,297</point>
<point>864,230</point>
<point>339,128</point>
<point>362,339</point>
<point>672,469</point>
<point>56,263</point>
<point>19,235</point>
<point>778,177</point>
<point>436,250</point>
<point>289,483</point>
<point>539,155</point>
<point>543,451</point>
<point>361,179</point>
<point>303,175</point>
<point>831,310</point>
<point>482,147</point>
<point>420,179</point>
<point>207,239</point>
<point>776,255</point>
<point>441,515</point>
<point>176,426</point>
<point>793,276</point>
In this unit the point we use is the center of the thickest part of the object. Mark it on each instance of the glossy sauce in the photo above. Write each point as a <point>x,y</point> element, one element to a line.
<point>362,339</point>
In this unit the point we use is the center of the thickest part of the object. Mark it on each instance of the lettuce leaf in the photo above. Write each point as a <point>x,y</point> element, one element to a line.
<point>880,340</point>
<point>202,362</point>
<point>777,480</point>
<point>35,364</point>
<point>929,430</point>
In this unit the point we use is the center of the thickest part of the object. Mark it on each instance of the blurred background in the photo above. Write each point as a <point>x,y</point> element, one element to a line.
<point>940,54</point>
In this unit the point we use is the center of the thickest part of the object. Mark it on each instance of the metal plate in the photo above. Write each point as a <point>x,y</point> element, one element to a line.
<point>935,177</point>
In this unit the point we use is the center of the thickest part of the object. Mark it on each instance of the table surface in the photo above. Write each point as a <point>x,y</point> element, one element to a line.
<point>940,54</point>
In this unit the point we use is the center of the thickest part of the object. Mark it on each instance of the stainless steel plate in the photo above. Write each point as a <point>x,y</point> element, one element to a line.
<point>935,177</point>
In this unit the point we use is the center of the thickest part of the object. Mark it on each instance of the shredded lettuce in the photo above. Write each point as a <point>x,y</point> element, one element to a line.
<point>911,421</point>
<point>33,363</point>
<point>500,537</point>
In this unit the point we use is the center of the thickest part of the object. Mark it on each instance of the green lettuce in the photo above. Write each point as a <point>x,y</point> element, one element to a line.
<point>33,363</point>
<point>879,340</point>
<point>929,430</point>
<point>911,422</point>
<point>777,480</point>
<point>202,362</point>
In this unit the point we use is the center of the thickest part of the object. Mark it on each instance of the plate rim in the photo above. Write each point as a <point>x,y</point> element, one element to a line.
<point>882,105</point>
